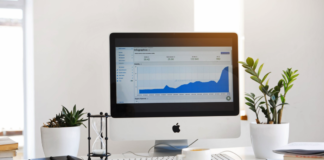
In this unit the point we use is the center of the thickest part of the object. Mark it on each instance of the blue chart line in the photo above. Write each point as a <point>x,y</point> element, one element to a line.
<point>195,87</point>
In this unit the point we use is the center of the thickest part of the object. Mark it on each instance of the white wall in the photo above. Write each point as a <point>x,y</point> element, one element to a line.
<point>72,52</point>
<point>222,16</point>
<point>284,34</point>
<point>71,56</point>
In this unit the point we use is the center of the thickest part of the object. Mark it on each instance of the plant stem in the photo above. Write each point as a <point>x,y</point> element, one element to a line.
<point>265,96</point>
<point>275,116</point>
<point>281,110</point>
<point>268,111</point>
<point>257,116</point>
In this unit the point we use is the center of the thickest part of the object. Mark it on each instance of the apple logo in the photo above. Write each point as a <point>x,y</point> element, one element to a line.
<point>176,128</point>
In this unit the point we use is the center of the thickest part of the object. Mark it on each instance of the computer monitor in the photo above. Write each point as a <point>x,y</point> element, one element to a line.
<point>174,86</point>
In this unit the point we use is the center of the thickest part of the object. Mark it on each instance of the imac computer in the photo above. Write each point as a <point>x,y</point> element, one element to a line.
<point>171,87</point>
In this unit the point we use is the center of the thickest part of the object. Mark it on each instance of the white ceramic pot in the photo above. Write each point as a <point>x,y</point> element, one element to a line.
<point>60,141</point>
<point>267,137</point>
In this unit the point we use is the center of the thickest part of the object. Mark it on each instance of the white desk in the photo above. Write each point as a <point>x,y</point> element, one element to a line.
<point>245,152</point>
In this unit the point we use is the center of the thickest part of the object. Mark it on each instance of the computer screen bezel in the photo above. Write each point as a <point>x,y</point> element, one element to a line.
<point>135,110</point>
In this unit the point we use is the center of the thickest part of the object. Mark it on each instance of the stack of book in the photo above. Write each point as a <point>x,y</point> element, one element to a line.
<point>302,157</point>
<point>302,151</point>
<point>8,149</point>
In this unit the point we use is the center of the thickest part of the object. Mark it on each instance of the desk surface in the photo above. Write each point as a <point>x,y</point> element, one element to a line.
<point>246,153</point>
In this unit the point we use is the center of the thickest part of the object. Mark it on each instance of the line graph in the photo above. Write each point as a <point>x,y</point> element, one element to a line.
<point>206,79</point>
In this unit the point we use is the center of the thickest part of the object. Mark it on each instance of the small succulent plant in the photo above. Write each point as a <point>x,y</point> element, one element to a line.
<point>67,118</point>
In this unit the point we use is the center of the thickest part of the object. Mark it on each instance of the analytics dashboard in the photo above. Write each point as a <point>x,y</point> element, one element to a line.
<point>174,74</point>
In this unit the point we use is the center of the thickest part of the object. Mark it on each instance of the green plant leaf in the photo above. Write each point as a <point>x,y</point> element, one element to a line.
<point>261,102</point>
<point>243,63</point>
<point>255,64</point>
<point>70,118</point>
<point>63,110</point>
<point>258,99</point>
<point>249,95</point>
<point>282,98</point>
<point>255,79</point>
<point>272,109</point>
<point>250,61</point>
<point>292,80</point>
<point>277,88</point>
<point>248,99</point>
<point>264,111</point>
<point>280,83</point>
<point>260,68</point>
<point>246,66</point>
<point>265,77</point>
<point>294,76</point>
<point>74,110</point>
<point>284,78</point>
<point>249,104</point>
<point>289,87</point>
<point>249,71</point>
<point>260,88</point>
<point>264,89</point>
<point>267,83</point>
<point>282,104</point>
<point>286,74</point>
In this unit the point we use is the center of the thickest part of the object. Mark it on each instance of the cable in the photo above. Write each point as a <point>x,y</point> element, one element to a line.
<point>233,153</point>
<point>193,142</point>
<point>177,148</point>
<point>135,154</point>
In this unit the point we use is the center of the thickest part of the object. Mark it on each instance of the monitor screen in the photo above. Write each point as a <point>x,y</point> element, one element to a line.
<point>174,74</point>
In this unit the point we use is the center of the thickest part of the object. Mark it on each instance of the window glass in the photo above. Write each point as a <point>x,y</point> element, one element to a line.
<point>11,72</point>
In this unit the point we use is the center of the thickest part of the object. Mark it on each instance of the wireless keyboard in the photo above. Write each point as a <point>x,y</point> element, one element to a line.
<point>214,157</point>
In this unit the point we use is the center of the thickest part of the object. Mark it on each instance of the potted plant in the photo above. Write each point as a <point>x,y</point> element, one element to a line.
<point>269,135</point>
<point>61,135</point>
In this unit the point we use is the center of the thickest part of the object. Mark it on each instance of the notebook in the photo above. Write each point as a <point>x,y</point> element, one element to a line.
<point>302,148</point>
<point>11,153</point>
<point>7,144</point>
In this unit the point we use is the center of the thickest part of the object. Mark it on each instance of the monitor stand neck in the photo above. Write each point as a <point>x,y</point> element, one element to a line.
<point>162,149</point>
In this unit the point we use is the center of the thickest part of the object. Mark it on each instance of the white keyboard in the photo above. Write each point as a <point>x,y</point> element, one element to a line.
<point>214,157</point>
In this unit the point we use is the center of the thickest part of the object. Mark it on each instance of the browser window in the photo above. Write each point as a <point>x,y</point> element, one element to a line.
<point>174,74</point>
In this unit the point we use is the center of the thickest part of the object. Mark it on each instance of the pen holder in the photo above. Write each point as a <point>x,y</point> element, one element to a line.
<point>100,145</point>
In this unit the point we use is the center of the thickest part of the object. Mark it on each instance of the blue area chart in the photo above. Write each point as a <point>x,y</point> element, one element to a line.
<point>196,87</point>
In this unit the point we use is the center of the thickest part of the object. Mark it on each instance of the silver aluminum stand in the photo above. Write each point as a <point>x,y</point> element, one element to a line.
<point>163,150</point>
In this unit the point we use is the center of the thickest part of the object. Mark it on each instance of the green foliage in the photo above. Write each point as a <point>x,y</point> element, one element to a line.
<point>289,76</point>
<point>264,111</point>
<point>60,120</point>
<point>254,103</point>
<point>270,95</point>
<point>73,117</point>
<point>250,67</point>
<point>67,118</point>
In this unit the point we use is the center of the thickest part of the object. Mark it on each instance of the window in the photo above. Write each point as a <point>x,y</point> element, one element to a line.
<point>222,16</point>
<point>11,70</point>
